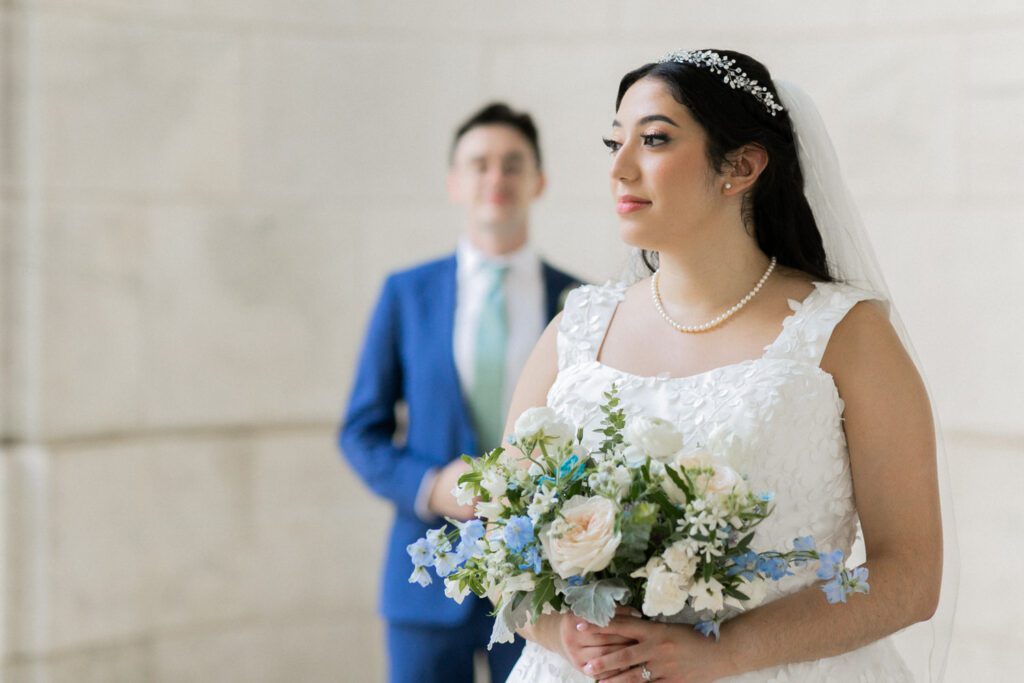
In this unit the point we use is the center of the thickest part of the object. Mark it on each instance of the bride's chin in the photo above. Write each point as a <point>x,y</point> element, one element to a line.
<point>635,236</point>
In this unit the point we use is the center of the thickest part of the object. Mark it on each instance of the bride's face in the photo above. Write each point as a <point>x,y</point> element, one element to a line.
<point>661,180</point>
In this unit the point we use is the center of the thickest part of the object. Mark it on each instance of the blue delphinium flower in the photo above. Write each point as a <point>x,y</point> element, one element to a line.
<point>575,580</point>
<point>518,533</point>
<point>857,582</point>
<point>744,565</point>
<point>531,559</point>
<point>421,553</point>
<point>803,543</point>
<point>835,590</point>
<point>773,567</point>
<point>420,576</point>
<point>831,563</point>
<point>470,534</point>
<point>708,628</point>
<point>766,496</point>
<point>438,540</point>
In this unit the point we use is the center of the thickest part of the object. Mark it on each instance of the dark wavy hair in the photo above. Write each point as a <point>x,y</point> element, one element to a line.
<point>775,209</point>
<point>499,113</point>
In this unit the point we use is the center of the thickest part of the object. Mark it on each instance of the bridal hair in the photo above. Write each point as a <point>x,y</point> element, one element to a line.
<point>500,114</point>
<point>775,209</point>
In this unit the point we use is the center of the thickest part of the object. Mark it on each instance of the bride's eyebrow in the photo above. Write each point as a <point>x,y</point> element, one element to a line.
<point>649,119</point>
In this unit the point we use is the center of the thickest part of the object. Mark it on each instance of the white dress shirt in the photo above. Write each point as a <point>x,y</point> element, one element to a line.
<point>524,296</point>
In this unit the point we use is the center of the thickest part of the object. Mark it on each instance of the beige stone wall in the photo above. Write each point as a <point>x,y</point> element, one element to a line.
<point>199,200</point>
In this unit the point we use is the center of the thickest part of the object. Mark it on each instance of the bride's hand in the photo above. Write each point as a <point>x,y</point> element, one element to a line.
<point>582,642</point>
<point>671,652</point>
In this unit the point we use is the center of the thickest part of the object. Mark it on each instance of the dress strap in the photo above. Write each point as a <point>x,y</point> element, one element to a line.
<point>806,333</point>
<point>588,311</point>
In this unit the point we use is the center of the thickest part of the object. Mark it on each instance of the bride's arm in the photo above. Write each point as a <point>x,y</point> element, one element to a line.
<point>888,425</point>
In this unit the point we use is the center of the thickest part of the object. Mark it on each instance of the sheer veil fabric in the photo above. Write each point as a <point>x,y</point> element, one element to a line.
<point>852,259</point>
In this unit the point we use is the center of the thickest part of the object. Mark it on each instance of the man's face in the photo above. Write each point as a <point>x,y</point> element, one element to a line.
<point>494,177</point>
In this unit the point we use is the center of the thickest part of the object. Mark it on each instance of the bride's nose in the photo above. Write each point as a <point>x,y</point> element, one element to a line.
<point>624,166</point>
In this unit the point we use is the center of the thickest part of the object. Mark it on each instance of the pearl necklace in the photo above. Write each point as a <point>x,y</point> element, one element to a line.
<point>714,322</point>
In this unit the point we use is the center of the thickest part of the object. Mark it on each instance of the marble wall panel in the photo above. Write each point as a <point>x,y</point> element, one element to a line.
<point>247,314</point>
<point>121,663</point>
<point>320,533</point>
<point>90,313</point>
<point>364,122</point>
<point>910,16</point>
<point>329,646</point>
<point>741,18</point>
<point>989,633</point>
<point>136,109</point>
<point>949,271</point>
<point>146,534</point>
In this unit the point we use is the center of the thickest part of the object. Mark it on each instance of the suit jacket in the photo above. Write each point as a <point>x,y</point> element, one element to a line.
<point>407,355</point>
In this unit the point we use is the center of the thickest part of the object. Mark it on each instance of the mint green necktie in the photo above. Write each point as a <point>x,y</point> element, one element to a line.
<point>488,392</point>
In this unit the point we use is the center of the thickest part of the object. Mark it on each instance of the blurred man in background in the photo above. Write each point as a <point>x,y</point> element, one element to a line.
<point>448,339</point>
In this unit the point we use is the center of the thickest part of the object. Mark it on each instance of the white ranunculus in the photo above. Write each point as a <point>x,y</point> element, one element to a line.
<point>707,595</point>
<point>452,590</point>
<point>664,593</point>
<point>654,436</point>
<point>542,424</point>
<point>724,481</point>
<point>584,538</point>
<point>681,461</point>
<point>681,557</point>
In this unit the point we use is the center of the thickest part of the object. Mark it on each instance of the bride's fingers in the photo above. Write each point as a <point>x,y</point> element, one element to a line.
<point>622,658</point>
<point>623,611</point>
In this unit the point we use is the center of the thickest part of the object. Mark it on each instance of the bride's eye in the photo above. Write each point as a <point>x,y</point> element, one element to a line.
<point>654,139</point>
<point>612,145</point>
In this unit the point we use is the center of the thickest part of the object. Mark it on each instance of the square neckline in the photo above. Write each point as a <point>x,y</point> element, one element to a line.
<point>786,322</point>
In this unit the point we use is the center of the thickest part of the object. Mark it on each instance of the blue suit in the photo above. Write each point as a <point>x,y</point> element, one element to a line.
<point>407,356</point>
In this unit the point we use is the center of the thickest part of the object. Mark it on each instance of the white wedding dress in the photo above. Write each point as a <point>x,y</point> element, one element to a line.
<point>786,415</point>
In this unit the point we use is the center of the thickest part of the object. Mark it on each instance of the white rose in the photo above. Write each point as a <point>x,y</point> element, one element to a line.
<point>542,424</point>
<point>654,436</point>
<point>452,590</point>
<point>584,538</point>
<point>681,557</point>
<point>664,593</point>
<point>724,481</point>
<point>707,595</point>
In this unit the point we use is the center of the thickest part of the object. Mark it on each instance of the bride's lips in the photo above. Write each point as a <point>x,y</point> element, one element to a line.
<point>627,203</point>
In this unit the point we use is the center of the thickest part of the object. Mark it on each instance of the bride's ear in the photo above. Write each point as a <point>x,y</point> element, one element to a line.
<point>745,166</point>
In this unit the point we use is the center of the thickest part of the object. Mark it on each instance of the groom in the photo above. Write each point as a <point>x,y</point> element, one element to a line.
<point>448,339</point>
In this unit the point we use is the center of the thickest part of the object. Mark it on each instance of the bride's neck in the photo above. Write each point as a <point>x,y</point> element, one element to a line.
<point>703,279</point>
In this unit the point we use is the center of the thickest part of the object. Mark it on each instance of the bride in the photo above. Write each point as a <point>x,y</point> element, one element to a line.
<point>764,317</point>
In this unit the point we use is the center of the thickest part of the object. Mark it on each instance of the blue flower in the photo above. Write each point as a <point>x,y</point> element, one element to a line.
<point>576,580</point>
<point>531,560</point>
<point>708,628</point>
<point>438,540</point>
<point>745,565</point>
<point>830,564</point>
<point>518,533</point>
<point>420,576</point>
<point>858,581</point>
<point>803,543</point>
<point>766,496</point>
<point>773,567</point>
<point>835,591</point>
<point>421,553</point>
<point>566,470</point>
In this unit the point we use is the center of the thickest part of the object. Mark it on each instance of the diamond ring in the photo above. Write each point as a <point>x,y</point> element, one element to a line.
<point>645,673</point>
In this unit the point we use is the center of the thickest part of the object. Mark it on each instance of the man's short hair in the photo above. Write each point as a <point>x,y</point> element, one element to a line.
<point>499,113</point>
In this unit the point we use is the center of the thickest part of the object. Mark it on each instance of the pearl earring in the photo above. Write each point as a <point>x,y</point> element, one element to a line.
<point>728,186</point>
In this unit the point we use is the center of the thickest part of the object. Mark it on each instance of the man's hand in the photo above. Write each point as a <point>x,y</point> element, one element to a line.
<point>442,502</point>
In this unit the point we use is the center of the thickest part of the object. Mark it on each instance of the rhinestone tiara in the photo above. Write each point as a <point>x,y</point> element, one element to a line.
<point>732,76</point>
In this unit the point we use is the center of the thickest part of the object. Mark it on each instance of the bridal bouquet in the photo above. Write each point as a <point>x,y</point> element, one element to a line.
<point>639,521</point>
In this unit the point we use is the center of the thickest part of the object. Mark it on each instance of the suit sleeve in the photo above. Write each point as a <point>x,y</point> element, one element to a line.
<point>367,433</point>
